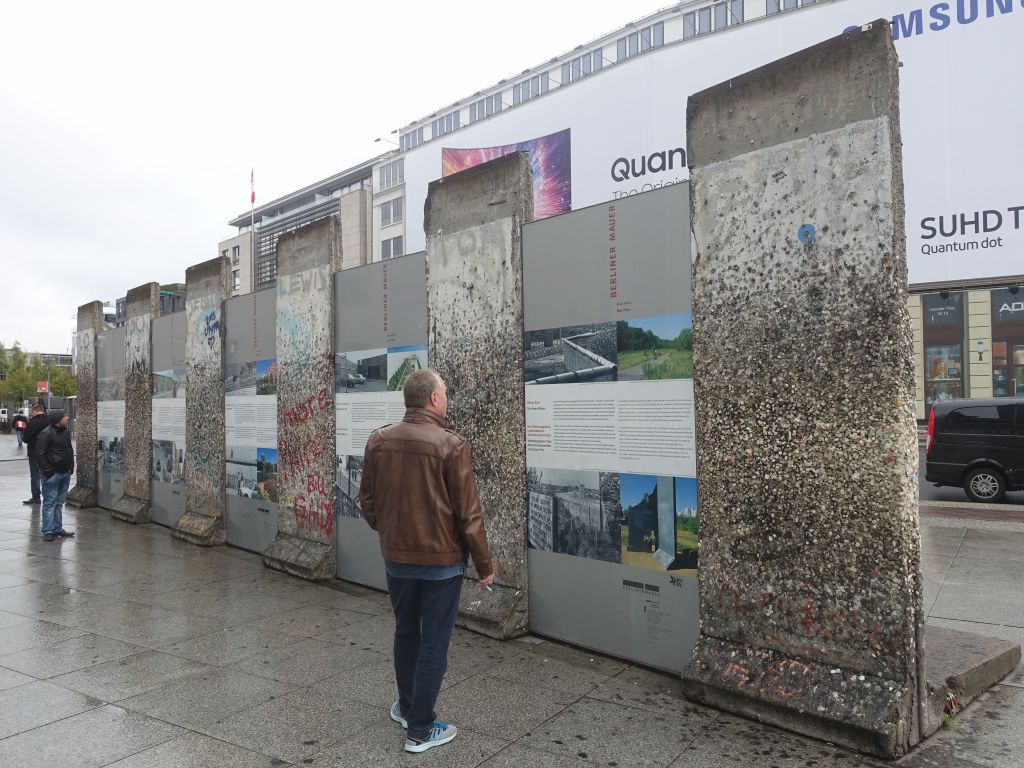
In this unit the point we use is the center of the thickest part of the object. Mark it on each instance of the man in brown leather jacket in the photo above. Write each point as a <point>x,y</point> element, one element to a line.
<point>418,493</point>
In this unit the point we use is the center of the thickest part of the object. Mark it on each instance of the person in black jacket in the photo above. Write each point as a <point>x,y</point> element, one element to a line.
<point>19,424</point>
<point>56,459</point>
<point>36,424</point>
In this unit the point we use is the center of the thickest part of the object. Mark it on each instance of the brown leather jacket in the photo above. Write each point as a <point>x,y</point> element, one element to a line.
<point>418,493</point>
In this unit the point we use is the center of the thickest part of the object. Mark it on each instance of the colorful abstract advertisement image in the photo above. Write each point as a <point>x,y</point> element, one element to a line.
<point>550,160</point>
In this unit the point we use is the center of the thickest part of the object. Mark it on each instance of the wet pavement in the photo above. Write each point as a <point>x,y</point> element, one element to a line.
<point>126,647</point>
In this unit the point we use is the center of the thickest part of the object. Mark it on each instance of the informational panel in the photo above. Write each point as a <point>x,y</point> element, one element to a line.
<point>610,436</point>
<point>110,362</point>
<point>250,420</point>
<point>380,335</point>
<point>168,389</point>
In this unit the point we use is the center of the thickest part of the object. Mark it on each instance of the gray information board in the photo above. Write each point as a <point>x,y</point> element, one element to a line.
<point>250,424</point>
<point>610,433</point>
<point>380,336</point>
<point>168,390</point>
<point>110,386</point>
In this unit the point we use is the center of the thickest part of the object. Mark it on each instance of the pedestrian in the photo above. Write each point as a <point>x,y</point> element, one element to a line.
<point>417,492</point>
<point>19,424</point>
<point>36,424</point>
<point>56,459</point>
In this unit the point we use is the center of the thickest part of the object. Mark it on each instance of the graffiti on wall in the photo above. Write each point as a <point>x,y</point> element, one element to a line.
<point>204,409</point>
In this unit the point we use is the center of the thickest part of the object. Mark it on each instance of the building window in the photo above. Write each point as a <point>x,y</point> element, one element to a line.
<point>445,124</point>
<point>411,139</point>
<point>531,88</point>
<point>777,6</point>
<point>643,40</point>
<point>391,248</point>
<point>391,212</point>
<point>235,253</point>
<point>224,253</point>
<point>478,110</point>
<point>392,174</point>
<point>236,280</point>
<point>703,21</point>
<point>582,66</point>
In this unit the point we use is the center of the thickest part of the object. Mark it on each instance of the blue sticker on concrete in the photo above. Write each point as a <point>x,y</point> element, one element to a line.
<point>807,234</point>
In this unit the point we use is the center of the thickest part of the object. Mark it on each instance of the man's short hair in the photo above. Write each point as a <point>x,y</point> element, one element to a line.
<point>37,409</point>
<point>418,387</point>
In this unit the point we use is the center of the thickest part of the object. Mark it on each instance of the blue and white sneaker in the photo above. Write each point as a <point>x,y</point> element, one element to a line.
<point>440,734</point>
<point>396,715</point>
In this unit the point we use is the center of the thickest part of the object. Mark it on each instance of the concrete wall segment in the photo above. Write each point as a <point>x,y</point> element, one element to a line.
<point>89,323</point>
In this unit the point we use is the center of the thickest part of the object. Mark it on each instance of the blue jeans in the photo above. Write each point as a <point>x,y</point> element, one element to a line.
<point>425,613</point>
<point>55,493</point>
<point>18,432</point>
<point>35,477</point>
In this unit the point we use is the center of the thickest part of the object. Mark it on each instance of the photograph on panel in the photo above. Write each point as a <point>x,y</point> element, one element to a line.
<point>574,512</point>
<point>361,371</point>
<point>575,353</point>
<point>346,486</point>
<point>266,377</point>
<point>110,454</point>
<point>240,471</point>
<point>652,348</point>
<point>169,384</point>
<point>240,379</point>
<point>110,388</point>
<point>403,361</point>
<point>266,474</point>
<point>659,522</point>
<point>168,462</point>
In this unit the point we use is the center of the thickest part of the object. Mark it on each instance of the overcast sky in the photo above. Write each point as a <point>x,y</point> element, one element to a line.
<point>127,130</point>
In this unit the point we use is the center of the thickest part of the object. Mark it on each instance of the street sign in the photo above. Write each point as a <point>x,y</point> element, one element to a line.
<point>42,387</point>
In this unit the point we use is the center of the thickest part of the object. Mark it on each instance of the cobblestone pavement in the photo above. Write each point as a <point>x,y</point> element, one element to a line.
<point>125,647</point>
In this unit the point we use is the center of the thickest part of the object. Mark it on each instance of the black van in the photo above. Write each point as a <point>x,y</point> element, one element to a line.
<point>977,445</point>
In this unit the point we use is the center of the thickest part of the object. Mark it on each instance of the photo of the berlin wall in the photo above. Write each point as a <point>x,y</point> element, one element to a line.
<point>361,371</point>
<point>346,486</point>
<point>574,512</point>
<point>403,361</point>
<point>168,462</point>
<point>110,388</point>
<point>266,377</point>
<point>575,353</point>
<point>655,347</point>
<point>169,384</point>
<point>240,472</point>
<point>110,455</point>
<point>659,522</point>
<point>240,379</point>
<point>266,474</point>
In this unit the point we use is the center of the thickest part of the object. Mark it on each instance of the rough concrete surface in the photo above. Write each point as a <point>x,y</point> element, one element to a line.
<point>811,603</point>
<point>141,306</point>
<point>90,322</point>
<point>473,226</point>
<point>206,286</point>
<point>306,261</point>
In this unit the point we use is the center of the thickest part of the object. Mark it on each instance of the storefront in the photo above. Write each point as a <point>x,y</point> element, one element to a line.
<point>1008,342</point>
<point>943,318</point>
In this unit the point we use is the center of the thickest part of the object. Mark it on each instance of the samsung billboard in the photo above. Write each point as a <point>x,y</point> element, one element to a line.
<point>622,130</point>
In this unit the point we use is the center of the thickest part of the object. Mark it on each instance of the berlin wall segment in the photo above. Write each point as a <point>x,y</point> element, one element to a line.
<point>473,225</point>
<point>141,306</point>
<point>90,323</point>
<point>206,286</point>
<point>810,583</point>
<point>307,260</point>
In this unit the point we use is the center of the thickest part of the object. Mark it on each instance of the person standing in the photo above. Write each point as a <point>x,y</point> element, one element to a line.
<point>56,459</point>
<point>417,492</point>
<point>19,424</point>
<point>36,424</point>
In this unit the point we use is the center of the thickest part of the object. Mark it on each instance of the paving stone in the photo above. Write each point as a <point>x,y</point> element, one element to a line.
<point>564,682</point>
<point>10,619</point>
<point>312,620</point>
<point>604,733</point>
<point>201,700</point>
<point>519,756</point>
<point>9,678</point>
<point>30,634</point>
<point>650,691</point>
<point>37,703</point>
<point>11,580</point>
<point>306,662</point>
<point>88,740</point>
<point>296,725</point>
<point>193,750</point>
<point>231,644</point>
<point>1001,631</point>
<point>25,596</point>
<point>223,605</point>
<point>150,625</point>
<point>382,747</point>
<point>131,676</point>
<point>966,602</point>
<point>58,658</point>
<point>496,707</point>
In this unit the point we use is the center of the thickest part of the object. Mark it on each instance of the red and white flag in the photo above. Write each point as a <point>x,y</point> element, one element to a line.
<point>252,186</point>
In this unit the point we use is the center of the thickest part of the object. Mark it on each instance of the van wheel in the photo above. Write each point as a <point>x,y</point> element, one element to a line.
<point>984,484</point>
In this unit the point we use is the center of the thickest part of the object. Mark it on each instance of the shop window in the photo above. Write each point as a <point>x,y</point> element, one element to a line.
<point>1008,342</point>
<point>943,346</point>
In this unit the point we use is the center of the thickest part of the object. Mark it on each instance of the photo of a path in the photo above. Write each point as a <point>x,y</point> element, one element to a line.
<point>655,347</point>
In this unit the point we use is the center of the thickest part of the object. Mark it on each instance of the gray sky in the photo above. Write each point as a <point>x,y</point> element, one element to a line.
<point>127,130</point>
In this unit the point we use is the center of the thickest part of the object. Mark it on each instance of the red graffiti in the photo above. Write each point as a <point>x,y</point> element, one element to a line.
<point>295,459</point>
<point>308,408</point>
<point>315,512</point>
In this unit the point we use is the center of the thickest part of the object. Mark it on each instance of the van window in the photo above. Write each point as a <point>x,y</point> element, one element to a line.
<point>980,420</point>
